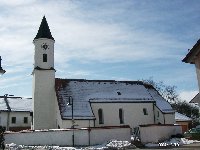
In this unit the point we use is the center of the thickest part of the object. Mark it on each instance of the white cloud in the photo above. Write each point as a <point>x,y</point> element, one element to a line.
<point>78,37</point>
<point>88,32</point>
<point>188,95</point>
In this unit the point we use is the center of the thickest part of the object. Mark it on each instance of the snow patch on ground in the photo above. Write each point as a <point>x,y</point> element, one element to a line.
<point>110,144</point>
<point>172,142</point>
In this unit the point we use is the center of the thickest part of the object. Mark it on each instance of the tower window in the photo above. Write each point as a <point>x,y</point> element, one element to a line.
<point>145,111</point>
<point>100,113</point>
<point>121,116</point>
<point>44,57</point>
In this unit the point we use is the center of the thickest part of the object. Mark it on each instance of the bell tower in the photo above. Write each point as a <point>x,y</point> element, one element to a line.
<point>44,79</point>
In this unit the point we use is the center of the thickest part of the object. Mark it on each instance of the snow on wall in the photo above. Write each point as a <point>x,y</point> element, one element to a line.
<point>82,137</point>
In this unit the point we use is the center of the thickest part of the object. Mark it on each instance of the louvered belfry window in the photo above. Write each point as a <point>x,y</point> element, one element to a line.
<point>44,57</point>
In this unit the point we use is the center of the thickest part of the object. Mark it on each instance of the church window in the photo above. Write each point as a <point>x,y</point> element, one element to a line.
<point>44,57</point>
<point>100,113</point>
<point>13,120</point>
<point>25,120</point>
<point>121,116</point>
<point>145,111</point>
<point>158,114</point>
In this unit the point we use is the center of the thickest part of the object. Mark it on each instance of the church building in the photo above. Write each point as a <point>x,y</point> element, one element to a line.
<point>66,103</point>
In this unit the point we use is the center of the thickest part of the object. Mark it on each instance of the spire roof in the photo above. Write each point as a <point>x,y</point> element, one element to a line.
<point>44,31</point>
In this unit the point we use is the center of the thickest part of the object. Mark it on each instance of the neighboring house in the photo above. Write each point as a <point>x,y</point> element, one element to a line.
<point>193,57</point>
<point>183,120</point>
<point>66,103</point>
<point>15,113</point>
<point>196,99</point>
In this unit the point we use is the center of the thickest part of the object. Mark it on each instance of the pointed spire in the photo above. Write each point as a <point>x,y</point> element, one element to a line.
<point>44,31</point>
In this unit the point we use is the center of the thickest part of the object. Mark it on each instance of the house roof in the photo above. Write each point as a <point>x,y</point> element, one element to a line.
<point>44,31</point>
<point>181,117</point>
<point>16,104</point>
<point>189,58</point>
<point>85,92</point>
<point>196,99</point>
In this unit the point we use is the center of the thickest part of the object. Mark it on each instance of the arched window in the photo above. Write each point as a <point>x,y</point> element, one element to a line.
<point>100,113</point>
<point>121,116</point>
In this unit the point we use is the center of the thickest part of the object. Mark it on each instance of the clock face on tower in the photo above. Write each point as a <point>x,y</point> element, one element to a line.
<point>45,46</point>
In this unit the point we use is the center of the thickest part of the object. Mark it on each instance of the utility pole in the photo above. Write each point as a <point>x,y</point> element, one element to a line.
<point>72,106</point>
<point>9,110</point>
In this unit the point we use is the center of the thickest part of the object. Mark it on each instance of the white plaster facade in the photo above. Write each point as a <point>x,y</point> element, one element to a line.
<point>157,133</point>
<point>193,57</point>
<point>6,120</point>
<point>15,113</point>
<point>82,137</point>
<point>44,86</point>
<point>133,114</point>
<point>44,99</point>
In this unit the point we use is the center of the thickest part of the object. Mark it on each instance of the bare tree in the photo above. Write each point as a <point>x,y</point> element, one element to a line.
<point>166,91</point>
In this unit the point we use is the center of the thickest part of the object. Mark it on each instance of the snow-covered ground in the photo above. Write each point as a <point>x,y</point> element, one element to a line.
<point>172,142</point>
<point>115,144</point>
<point>110,144</point>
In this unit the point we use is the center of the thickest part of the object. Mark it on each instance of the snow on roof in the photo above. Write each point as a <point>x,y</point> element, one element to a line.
<point>16,104</point>
<point>85,91</point>
<point>181,117</point>
<point>196,99</point>
<point>161,103</point>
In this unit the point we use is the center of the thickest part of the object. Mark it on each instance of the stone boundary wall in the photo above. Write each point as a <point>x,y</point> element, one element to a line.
<point>158,132</point>
<point>64,137</point>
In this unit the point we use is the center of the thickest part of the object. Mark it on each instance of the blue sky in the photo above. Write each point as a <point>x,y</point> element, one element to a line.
<point>102,39</point>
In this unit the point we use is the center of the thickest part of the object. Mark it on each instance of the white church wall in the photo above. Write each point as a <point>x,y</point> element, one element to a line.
<point>164,118</point>
<point>78,123</point>
<point>82,137</point>
<point>58,116</point>
<point>39,51</point>
<point>44,99</point>
<point>159,117</point>
<point>170,118</point>
<point>133,113</point>
<point>99,136</point>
